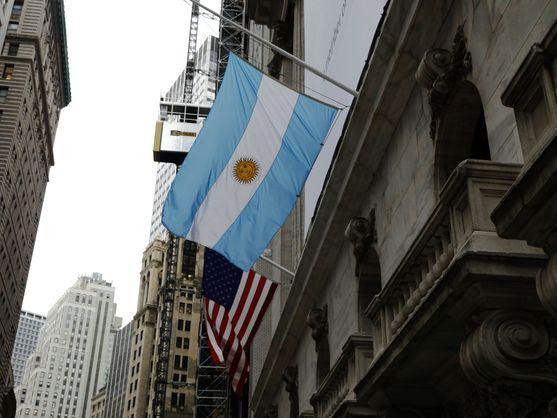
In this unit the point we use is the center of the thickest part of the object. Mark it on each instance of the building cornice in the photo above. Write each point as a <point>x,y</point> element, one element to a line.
<point>386,88</point>
<point>60,25</point>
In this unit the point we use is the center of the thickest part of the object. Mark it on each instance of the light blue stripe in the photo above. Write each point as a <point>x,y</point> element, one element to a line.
<point>214,145</point>
<point>271,204</point>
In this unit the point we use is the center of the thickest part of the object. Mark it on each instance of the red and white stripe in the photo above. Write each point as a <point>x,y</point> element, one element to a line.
<point>230,333</point>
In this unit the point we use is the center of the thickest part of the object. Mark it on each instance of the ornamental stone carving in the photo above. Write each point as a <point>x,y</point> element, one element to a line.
<point>290,378</point>
<point>271,411</point>
<point>439,71</point>
<point>361,234</point>
<point>507,354</point>
<point>317,321</point>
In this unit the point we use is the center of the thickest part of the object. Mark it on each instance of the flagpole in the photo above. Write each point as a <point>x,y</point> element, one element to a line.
<point>268,260</point>
<point>281,51</point>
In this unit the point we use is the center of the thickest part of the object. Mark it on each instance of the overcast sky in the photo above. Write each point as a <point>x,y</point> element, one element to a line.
<point>97,209</point>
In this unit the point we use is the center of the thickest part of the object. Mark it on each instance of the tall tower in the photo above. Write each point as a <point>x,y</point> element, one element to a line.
<point>25,342</point>
<point>116,383</point>
<point>73,353</point>
<point>34,87</point>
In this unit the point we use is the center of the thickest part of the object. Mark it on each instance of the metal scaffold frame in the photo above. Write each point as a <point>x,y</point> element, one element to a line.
<point>231,38</point>
<point>167,292</point>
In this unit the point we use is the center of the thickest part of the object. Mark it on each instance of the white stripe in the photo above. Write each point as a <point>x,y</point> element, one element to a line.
<point>239,294</point>
<point>256,311</point>
<point>261,141</point>
<point>245,309</point>
<point>220,315</point>
<point>212,340</point>
<point>239,369</point>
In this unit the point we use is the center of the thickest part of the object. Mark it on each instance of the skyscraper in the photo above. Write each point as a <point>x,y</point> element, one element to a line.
<point>73,353</point>
<point>34,87</point>
<point>25,341</point>
<point>205,78</point>
<point>118,374</point>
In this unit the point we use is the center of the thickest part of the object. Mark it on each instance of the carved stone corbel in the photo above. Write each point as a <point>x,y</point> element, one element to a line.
<point>362,235</point>
<point>439,71</point>
<point>317,321</point>
<point>290,378</point>
<point>505,356</point>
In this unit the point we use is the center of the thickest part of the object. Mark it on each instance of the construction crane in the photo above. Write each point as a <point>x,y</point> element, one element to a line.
<point>192,48</point>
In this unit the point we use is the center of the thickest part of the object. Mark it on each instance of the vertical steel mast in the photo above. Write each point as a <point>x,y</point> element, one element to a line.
<point>192,48</point>
<point>231,38</point>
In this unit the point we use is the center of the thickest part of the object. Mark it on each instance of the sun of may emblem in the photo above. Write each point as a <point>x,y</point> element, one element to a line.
<point>245,170</point>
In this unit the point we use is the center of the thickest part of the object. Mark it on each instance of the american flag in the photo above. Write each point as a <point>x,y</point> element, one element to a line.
<point>235,301</point>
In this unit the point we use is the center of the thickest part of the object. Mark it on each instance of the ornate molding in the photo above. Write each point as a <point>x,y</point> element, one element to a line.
<point>317,321</point>
<point>439,72</point>
<point>362,235</point>
<point>511,400</point>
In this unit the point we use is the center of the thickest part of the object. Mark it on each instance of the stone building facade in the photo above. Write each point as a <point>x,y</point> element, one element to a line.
<point>146,334</point>
<point>426,287</point>
<point>34,87</point>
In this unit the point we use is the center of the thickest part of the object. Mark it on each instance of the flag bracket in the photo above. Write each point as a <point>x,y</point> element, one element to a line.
<point>277,265</point>
<point>281,51</point>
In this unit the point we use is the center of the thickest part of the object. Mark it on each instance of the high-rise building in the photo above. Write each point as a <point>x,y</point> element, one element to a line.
<point>25,341</point>
<point>118,374</point>
<point>34,87</point>
<point>98,404</point>
<point>205,78</point>
<point>73,354</point>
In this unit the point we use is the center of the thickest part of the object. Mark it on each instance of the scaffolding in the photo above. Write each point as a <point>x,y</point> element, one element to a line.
<point>168,291</point>
<point>231,39</point>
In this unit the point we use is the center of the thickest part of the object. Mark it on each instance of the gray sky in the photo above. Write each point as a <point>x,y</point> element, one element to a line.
<point>97,209</point>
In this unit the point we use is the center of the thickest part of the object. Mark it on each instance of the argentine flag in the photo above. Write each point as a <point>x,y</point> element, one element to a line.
<point>248,164</point>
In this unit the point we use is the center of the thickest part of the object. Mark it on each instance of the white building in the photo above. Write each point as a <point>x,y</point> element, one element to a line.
<point>25,341</point>
<point>205,78</point>
<point>72,358</point>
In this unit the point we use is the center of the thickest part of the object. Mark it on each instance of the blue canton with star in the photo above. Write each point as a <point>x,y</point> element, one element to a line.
<point>221,278</point>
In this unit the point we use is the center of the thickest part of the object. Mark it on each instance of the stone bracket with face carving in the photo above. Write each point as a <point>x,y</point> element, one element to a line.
<point>362,235</point>
<point>439,71</point>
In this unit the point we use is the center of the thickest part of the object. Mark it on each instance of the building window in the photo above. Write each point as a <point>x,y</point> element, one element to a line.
<point>13,25</point>
<point>176,362</point>
<point>8,73</point>
<point>180,324</point>
<point>188,309</point>
<point>3,93</point>
<point>174,399</point>
<point>188,325</point>
<point>13,48</point>
<point>182,400</point>
<point>185,362</point>
<point>178,342</point>
<point>182,307</point>
<point>186,343</point>
<point>17,9</point>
